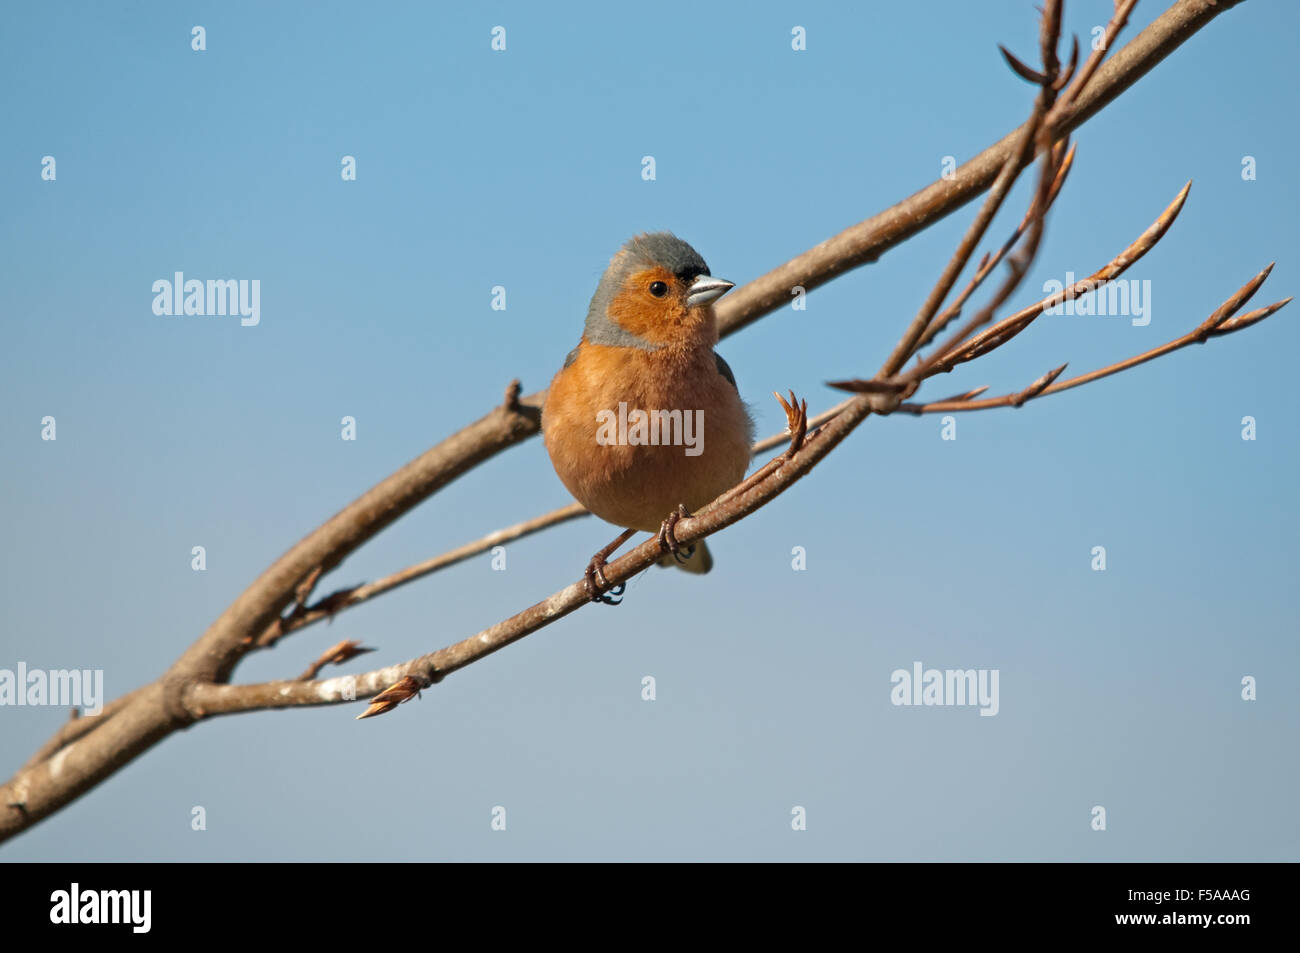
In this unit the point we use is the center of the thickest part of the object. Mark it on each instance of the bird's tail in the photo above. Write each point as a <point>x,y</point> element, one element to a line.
<point>699,562</point>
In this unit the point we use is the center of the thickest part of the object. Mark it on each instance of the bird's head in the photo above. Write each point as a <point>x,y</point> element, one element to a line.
<point>657,291</point>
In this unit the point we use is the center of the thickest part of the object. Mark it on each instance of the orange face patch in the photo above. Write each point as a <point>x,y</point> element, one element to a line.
<point>656,319</point>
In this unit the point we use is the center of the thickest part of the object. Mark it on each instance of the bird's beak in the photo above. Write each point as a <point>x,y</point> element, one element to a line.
<point>706,288</point>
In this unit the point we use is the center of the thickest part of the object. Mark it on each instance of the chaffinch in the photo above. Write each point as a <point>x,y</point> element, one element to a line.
<point>644,421</point>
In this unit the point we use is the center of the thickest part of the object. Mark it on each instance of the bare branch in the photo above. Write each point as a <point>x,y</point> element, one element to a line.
<point>192,688</point>
<point>756,491</point>
<point>1122,10</point>
<point>868,240</point>
<point>990,261</point>
<point>1216,325</point>
<point>342,599</point>
<point>1015,162</point>
<point>1006,329</point>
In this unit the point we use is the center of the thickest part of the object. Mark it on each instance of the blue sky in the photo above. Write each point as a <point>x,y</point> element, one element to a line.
<point>522,168</point>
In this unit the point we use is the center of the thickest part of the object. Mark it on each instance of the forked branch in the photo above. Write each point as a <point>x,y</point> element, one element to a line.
<point>86,751</point>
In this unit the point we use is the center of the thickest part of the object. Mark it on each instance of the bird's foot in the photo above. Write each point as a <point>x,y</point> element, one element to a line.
<point>668,539</point>
<point>598,587</point>
<point>594,581</point>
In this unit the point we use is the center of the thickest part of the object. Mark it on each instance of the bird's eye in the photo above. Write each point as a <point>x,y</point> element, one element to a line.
<point>658,289</point>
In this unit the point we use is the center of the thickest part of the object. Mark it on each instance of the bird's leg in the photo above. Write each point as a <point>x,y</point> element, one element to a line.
<point>598,587</point>
<point>668,540</point>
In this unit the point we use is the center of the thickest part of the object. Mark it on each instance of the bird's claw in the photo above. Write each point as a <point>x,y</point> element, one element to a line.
<point>598,587</point>
<point>668,538</point>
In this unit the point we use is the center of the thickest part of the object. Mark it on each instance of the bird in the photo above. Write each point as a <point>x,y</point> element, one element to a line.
<point>644,423</point>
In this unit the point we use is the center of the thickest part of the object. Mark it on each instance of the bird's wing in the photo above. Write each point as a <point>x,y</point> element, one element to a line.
<point>725,370</point>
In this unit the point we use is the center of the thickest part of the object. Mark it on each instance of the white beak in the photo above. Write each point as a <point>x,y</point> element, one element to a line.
<point>705,289</point>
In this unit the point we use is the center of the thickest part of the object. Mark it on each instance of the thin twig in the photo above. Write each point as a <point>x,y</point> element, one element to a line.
<point>342,599</point>
<point>990,261</point>
<point>1216,325</point>
<point>1004,330</point>
<point>336,654</point>
<point>1081,80</point>
<point>1016,160</point>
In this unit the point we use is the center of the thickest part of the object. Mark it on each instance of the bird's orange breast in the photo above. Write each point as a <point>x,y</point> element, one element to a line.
<point>692,443</point>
